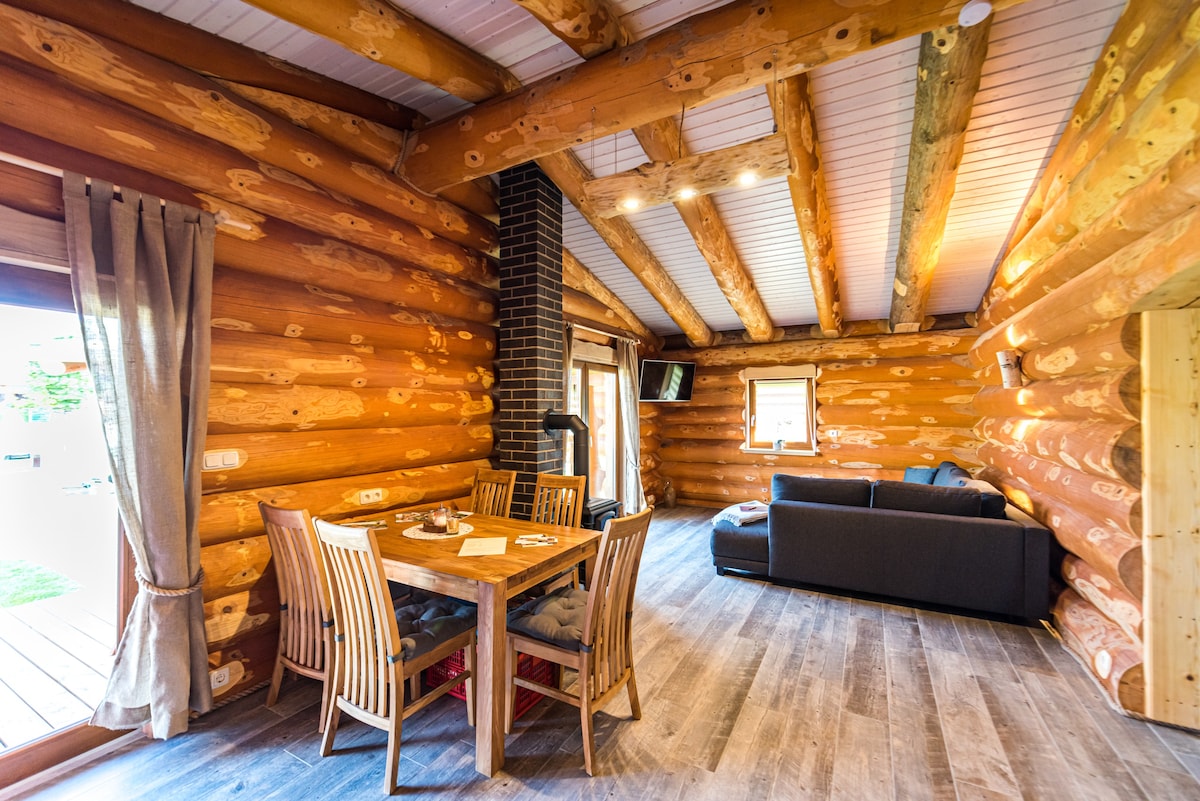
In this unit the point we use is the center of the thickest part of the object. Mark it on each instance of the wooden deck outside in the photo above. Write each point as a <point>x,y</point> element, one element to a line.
<point>55,659</point>
<point>749,691</point>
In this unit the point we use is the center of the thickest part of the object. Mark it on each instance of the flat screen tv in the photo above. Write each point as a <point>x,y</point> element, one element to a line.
<point>666,381</point>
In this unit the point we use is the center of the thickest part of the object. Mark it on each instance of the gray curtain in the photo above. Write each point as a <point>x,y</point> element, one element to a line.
<point>634,498</point>
<point>141,272</point>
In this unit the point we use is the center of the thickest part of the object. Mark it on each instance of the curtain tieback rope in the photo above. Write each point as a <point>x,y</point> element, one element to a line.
<point>153,589</point>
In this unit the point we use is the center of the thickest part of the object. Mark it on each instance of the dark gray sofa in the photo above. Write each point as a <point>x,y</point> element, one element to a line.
<point>937,544</point>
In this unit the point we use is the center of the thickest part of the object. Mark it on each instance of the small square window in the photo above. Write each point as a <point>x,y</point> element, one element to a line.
<point>780,411</point>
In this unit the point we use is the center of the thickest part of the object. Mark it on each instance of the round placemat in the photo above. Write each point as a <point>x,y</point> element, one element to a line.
<point>418,532</point>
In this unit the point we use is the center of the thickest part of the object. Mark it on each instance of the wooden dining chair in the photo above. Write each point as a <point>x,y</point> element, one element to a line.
<point>493,491</point>
<point>305,614</point>
<point>377,647</point>
<point>558,500</point>
<point>587,630</point>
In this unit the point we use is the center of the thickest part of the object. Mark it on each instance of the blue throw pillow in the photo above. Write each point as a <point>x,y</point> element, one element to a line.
<point>919,475</point>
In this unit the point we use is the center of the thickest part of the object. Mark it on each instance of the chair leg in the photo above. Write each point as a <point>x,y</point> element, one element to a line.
<point>276,680</point>
<point>472,662</point>
<point>326,700</point>
<point>331,724</point>
<point>392,770</point>
<point>634,705</point>
<point>510,689</point>
<point>589,743</point>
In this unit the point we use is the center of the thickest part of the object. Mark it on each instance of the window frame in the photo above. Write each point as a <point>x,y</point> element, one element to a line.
<point>806,373</point>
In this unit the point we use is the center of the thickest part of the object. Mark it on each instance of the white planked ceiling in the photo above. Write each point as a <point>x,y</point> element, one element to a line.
<point>1039,58</point>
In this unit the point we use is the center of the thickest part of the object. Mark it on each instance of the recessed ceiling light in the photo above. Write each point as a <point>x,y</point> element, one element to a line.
<point>687,193</point>
<point>974,12</point>
<point>631,204</point>
<point>748,178</point>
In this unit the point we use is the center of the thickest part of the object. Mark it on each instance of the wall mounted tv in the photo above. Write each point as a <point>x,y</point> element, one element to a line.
<point>666,381</point>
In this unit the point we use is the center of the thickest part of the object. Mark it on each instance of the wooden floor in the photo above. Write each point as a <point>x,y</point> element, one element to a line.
<point>749,691</point>
<point>55,659</point>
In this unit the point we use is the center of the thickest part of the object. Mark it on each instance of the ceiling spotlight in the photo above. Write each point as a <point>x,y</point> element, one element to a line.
<point>687,193</point>
<point>974,12</point>
<point>631,204</point>
<point>748,179</point>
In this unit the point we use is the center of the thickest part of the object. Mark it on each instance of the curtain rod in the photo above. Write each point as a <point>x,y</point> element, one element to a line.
<point>625,337</point>
<point>221,217</point>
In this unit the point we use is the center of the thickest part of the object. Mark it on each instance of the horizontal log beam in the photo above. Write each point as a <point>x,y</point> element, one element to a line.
<point>686,65</point>
<point>48,107</point>
<point>932,343</point>
<point>579,277</point>
<point>901,414</point>
<point>1111,550</point>
<point>246,409</point>
<point>856,328</point>
<point>1112,395</point>
<point>1110,599</point>
<point>238,357</point>
<point>1098,447</point>
<point>934,368</point>
<point>589,27</point>
<point>209,54</point>
<point>851,457</point>
<point>1112,658</point>
<point>245,302</point>
<point>1129,281</point>
<point>887,393</point>
<point>676,178</point>
<point>277,458</point>
<point>182,97</point>
<point>1113,345</point>
<point>231,515</point>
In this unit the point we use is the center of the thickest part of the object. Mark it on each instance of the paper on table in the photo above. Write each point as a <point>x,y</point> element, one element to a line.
<point>483,546</point>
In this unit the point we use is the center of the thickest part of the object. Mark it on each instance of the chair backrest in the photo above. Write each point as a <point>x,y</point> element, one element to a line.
<point>607,621</point>
<point>493,491</point>
<point>304,602</point>
<point>368,641</point>
<point>558,500</point>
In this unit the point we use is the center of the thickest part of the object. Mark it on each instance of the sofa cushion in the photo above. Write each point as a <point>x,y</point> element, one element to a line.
<point>843,491</point>
<point>992,502</point>
<point>918,498</point>
<point>919,475</point>
<point>950,475</point>
<point>746,543</point>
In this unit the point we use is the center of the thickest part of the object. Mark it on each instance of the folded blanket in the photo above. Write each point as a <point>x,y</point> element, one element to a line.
<point>742,513</point>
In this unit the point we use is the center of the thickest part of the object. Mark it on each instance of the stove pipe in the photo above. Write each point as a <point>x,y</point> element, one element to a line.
<point>574,423</point>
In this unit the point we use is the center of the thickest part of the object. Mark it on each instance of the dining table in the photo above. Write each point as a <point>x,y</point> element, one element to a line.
<point>489,580</point>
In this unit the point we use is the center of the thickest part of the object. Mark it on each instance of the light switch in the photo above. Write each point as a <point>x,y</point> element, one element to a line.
<point>221,460</point>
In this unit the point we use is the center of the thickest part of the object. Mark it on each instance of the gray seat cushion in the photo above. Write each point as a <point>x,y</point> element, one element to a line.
<point>431,621</point>
<point>746,543</point>
<point>556,618</point>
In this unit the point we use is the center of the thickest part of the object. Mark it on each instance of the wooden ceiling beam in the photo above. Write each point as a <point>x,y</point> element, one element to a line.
<point>691,63</point>
<point>948,71</point>
<point>664,180</point>
<point>791,102</point>
<point>578,277</point>
<point>358,121</point>
<point>215,57</point>
<point>662,138</point>
<point>589,27</point>
<point>569,174</point>
<point>196,103</point>
<point>388,35</point>
<point>421,56</point>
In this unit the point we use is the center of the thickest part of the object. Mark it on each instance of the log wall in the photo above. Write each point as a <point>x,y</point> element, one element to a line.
<point>1067,446</point>
<point>342,360</point>
<point>884,403</point>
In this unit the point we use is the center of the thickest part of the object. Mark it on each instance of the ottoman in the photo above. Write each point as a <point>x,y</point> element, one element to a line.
<point>740,547</point>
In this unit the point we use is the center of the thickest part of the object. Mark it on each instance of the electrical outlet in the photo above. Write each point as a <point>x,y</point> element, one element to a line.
<point>370,496</point>
<point>219,677</point>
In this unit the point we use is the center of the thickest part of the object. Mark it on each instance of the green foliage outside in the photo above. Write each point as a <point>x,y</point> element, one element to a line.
<point>22,582</point>
<point>44,392</point>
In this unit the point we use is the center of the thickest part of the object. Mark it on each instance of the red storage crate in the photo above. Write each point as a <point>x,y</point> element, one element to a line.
<point>529,667</point>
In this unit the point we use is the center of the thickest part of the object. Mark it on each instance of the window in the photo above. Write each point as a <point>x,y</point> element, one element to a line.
<point>594,397</point>
<point>780,409</point>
